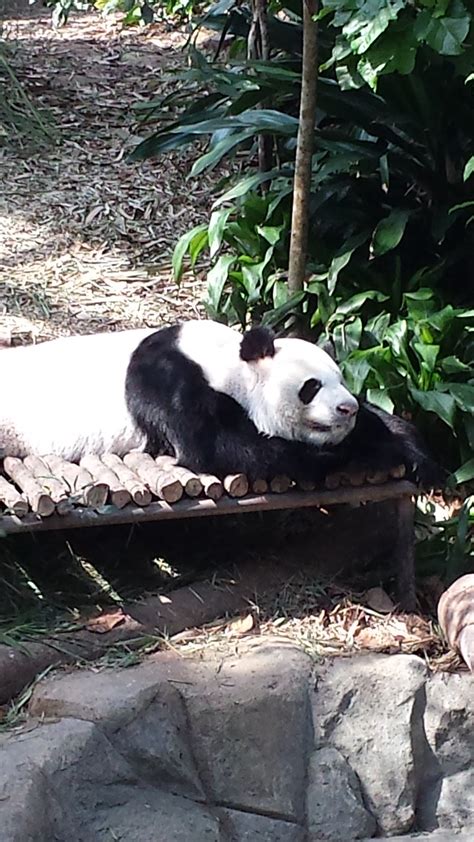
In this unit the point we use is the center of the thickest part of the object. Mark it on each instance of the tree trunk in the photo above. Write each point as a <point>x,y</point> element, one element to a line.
<point>304,150</point>
<point>259,48</point>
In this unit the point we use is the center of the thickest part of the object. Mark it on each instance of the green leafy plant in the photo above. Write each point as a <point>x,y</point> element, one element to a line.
<point>135,12</point>
<point>446,546</point>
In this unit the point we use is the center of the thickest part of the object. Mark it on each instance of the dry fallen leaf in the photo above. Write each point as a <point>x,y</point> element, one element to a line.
<point>106,622</point>
<point>241,625</point>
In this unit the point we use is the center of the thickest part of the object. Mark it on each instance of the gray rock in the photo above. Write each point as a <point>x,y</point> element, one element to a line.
<point>180,750</point>
<point>142,714</point>
<point>436,836</point>
<point>251,729</point>
<point>249,827</point>
<point>66,781</point>
<point>365,707</point>
<point>113,698</point>
<point>152,816</point>
<point>335,808</point>
<point>447,785</point>
<point>67,768</point>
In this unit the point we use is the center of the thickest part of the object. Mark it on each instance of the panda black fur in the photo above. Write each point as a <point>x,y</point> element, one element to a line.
<point>199,392</point>
<point>220,402</point>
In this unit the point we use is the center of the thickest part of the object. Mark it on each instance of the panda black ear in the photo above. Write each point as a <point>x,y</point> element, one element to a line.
<point>257,343</point>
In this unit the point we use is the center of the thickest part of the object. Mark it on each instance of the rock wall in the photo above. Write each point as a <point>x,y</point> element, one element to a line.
<point>263,746</point>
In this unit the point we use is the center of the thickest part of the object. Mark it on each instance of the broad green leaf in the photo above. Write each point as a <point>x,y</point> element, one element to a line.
<point>244,186</point>
<point>453,365</point>
<point>442,319</point>
<point>347,75</point>
<point>396,337</point>
<point>377,326</point>
<point>215,154</point>
<point>182,247</point>
<point>257,119</point>
<point>252,275</point>
<point>469,168</point>
<point>196,246</point>
<point>369,31</point>
<point>274,317</point>
<point>422,294</point>
<point>444,35</point>
<point>381,398</point>
<point>216,229</point>
<point>442,404</point>
<point>465,473</point>
<point>346,338</point>
<point>468,424</point>
<point>355,302</point>
<point>216,280</point>
<point>158,144</point>
<point>342,259</point>
<point>463,393</point>
<point>427,353</point>
<point>280,293</point>
<point>355,369</point>
<point>326,302</point>
<point>270,233</point>
<point>389,232</point>
<point>337,263</point>
<point>420,306</point>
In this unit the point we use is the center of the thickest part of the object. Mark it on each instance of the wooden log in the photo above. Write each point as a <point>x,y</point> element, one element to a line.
<point>51,484</point>
<point>119,496</point>
<point>356,478</point>
<point>398,472</point>
<point>83,490</point>
<point>15,502</point>
<point>333,480</point>
<point>306,485</point>
<point>191,483</point>
<point>40,502</point>
<point>377,477</point>
<point>140,494</point>
<point>280,484</point>
<point>212,486</point>
<point>236,485</point>
<point>187,508</point>
<point>260,486</point>
<point>161,483</point>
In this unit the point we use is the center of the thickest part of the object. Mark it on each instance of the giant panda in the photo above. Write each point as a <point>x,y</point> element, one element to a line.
<point>219,401</point>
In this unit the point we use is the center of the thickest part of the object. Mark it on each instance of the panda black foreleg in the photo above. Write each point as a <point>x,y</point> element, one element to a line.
<point>381,441</point>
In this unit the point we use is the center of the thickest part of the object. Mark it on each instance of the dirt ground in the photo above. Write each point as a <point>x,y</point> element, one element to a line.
<point>85,237</point>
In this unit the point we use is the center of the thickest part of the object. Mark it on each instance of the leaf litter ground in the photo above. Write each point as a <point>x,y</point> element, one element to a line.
<point>85,237</point>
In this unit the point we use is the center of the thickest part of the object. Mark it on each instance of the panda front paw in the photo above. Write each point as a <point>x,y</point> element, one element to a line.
<point>427,475</point>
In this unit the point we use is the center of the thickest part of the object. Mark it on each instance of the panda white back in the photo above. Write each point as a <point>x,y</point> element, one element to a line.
<point>67,396</point>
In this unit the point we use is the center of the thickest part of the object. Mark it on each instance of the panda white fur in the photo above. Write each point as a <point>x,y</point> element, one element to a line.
<point>218,401</point>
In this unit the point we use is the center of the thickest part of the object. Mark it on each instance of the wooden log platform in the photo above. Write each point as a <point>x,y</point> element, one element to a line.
<point>42,495</point>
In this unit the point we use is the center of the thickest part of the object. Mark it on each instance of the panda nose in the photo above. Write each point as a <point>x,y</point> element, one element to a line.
<point>348,409</point>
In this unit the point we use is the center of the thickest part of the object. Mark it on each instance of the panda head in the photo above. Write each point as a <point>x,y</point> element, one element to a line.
<point>297,390</point>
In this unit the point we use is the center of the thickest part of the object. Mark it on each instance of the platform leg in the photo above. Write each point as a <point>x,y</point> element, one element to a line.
<point>404,553</point>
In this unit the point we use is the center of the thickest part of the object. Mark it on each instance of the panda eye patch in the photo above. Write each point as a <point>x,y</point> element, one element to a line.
<point>309,389</point>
